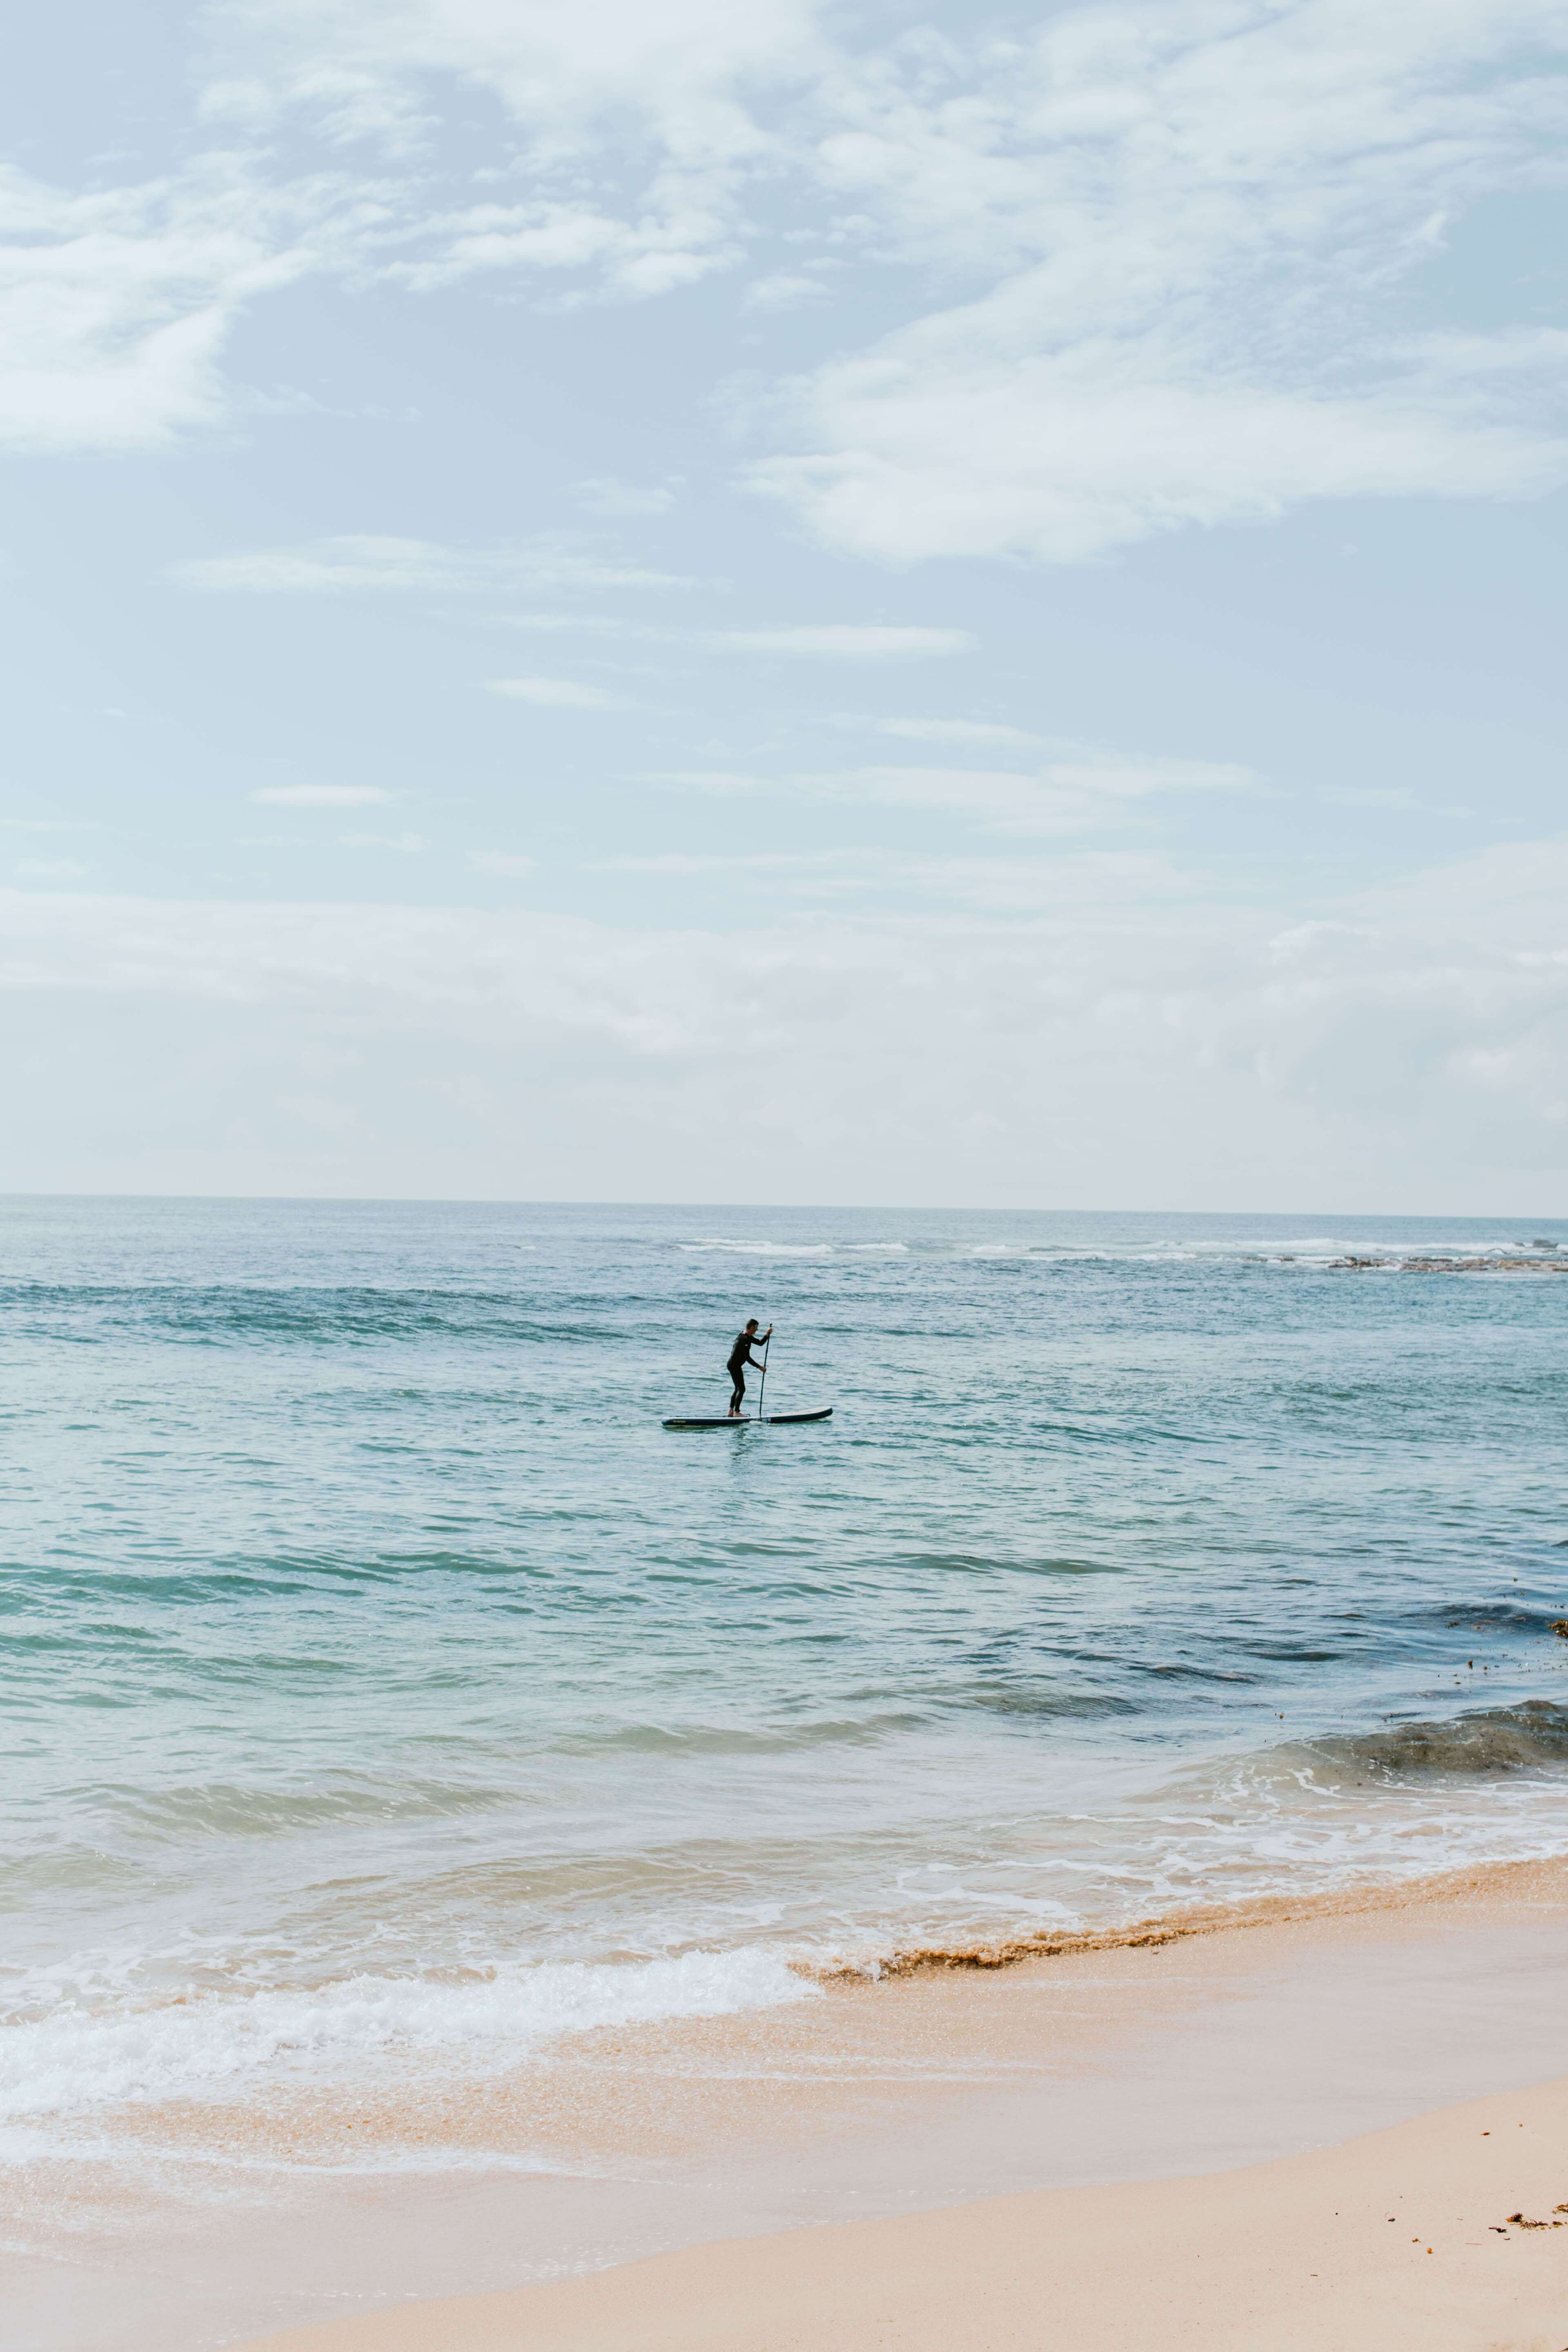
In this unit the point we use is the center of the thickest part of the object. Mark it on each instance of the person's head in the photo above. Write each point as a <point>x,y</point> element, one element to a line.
<point>752,1323</point>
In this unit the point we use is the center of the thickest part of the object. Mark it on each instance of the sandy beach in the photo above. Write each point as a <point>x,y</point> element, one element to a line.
<point>1251,2134</point>
<point>1444,2232</point>
<point>1195,2137</point>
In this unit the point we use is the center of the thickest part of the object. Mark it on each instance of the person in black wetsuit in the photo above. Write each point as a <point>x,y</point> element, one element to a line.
<point>740,1356</point>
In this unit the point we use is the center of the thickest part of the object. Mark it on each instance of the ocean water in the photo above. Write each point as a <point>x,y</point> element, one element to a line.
<point>386,1695</point>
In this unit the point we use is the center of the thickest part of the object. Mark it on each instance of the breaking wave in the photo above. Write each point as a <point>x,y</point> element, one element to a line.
<point>219,2043</point>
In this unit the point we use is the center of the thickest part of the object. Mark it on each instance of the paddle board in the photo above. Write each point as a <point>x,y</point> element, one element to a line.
<point>735,1419</point>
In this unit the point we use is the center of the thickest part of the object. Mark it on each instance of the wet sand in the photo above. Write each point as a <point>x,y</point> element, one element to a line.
<point>1439,2233</point>
<point>1153,2062</point>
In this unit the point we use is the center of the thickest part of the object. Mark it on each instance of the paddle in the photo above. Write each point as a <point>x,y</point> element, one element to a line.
<point>763,1383</point>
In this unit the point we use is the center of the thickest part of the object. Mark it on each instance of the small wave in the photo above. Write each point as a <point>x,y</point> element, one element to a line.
<point>1372,1891</point>
<point>212,2045</point>
<point>757,1249</point>
<point>988,1564</point>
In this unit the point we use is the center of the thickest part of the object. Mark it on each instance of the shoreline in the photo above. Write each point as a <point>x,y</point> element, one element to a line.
<point>1440,2232</point>
<point>938,2092</point>
<point>1535,1879</point>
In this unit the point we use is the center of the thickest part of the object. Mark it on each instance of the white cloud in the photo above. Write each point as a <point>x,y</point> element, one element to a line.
<point>323,1111</point>
<point>993,797</point>
<point>682,863</point>
<point>115,304</point>
<point>1173,240</point>
<point>943,731</point>
<point>350,563</point>
<point>1187,223</point>
<point>597,624</point>
<point>408,844</point>
<point>1422,1032</point>
<point>1084,791</point>
<point>1513,896</point>
<point>51,869</point>
<point>1372,796</point>
<point>1016,885</point>
<point>649,257</point>
<point>782,291</point>
<point>997,798</point>
<point>1086,768</point>
<point>503,861</point>
<point>717,781</point>
<point>319,796</point>
<point>601,493</point>
<point>556,693</point>
<point>841,641</point>
<point>926,452</point>
<point>834,641</point>
<point>663,94</point>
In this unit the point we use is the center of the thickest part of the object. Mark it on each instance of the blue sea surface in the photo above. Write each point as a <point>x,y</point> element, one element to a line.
<point>378,1674</point>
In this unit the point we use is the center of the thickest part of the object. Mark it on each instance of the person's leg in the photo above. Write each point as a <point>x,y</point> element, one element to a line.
<point>740,1392</point>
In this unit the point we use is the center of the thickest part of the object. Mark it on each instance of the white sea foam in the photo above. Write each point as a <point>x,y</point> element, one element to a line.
<point>758,1249</point>
<point>219,2044</point>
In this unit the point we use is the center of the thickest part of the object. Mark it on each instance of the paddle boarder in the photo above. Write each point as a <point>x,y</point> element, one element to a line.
<point>739,1357</point>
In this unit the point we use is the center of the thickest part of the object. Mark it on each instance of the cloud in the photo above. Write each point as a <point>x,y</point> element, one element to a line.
<point>113,312</point>
<point>999,799</point>
<point>46,824</point>
<point>932,452</point>
<point>116,303</point>
<point>780,290</point>
<point>992,797</point>
<point>1015,885</point>
<point>503,861</point>
<point>1005,1054</point>
<point>841,641</point>
<point>408,844</point>
<point>319,796</point>
<point>1371,796</point>
<point>943,731</point>
<point>51,869</point>
<point>603,495</point>
<point>556,693</point>
<point>717,781</point>
<point>1174,252</point>
<point>636,260</point>
<point>310,155</point>
<point>682,864</point>
<point>834,641</point>
<point>351,564</point>
<point>1086,789</point>
<point>1513,896</point>
<point>333,1118</point>
<point>1087,768</point>
<point>598,625</point>
<point>1186,226</point>
<point>665,94</point>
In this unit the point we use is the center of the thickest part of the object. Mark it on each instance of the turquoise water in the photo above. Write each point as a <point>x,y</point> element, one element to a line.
<point>384,1685</point>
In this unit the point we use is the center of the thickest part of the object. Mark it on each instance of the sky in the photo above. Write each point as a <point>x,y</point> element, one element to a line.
<point>744,601</point>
